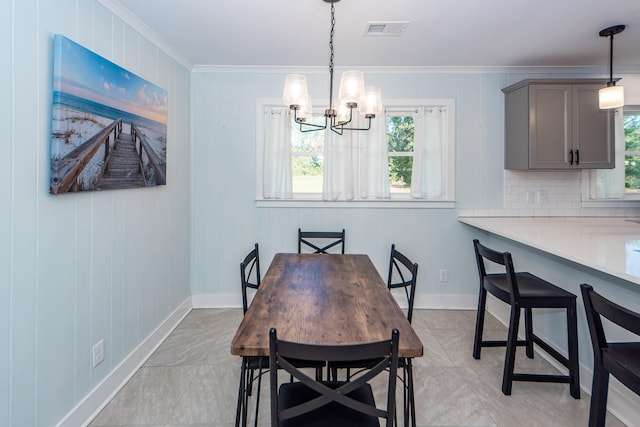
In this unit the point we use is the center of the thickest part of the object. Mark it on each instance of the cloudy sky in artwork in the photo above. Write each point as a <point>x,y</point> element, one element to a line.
<point>83,73</point>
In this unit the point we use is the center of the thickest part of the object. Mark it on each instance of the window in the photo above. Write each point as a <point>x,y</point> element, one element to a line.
<point>632,150</point>
<point>400,135</point>
<point>623,182</point>
<point>407,156</point>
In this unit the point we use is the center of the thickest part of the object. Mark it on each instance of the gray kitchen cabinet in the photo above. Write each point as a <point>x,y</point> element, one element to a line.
<point>557,124</point>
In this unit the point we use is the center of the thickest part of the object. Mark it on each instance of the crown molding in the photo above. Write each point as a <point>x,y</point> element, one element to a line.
<point>591,71</point>
<point>115,7</point>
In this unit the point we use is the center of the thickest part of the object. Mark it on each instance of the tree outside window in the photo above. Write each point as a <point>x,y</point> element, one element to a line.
<point>632,150</point>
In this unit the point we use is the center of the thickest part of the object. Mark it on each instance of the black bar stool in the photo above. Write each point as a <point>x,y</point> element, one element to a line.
<point>525,291</point>
<point>621,359</point>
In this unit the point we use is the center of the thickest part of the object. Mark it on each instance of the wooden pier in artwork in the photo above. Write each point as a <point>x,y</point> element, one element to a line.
<point>124,155</point>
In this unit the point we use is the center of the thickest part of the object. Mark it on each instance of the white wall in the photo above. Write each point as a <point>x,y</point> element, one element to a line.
<point>226,221</point>
<point>77,268</point>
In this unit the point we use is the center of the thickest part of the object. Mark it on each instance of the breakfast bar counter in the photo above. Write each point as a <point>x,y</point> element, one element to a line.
<point>609,245</point>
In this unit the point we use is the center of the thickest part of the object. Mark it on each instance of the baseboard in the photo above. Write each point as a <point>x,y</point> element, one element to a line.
<point>621,402</point>
<point>91,405</point>
<point>221,300</point>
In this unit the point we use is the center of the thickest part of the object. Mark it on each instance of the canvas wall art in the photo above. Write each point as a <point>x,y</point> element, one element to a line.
<point>109,126</point>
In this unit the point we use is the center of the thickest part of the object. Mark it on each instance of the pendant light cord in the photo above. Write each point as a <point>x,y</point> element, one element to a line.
<point>611,82</point>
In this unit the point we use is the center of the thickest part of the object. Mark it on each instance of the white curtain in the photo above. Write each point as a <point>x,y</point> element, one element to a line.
<point>609,183</point>
<point>340,156</point>
<point>374,162</point>
<point>276,180</point>
<point>427,177</point>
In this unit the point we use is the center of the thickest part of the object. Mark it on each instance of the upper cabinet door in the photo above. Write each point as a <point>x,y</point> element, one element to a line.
<point>593,129</point>
<point>550,125</point>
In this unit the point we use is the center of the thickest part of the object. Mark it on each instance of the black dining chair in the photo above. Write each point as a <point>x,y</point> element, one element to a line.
<point>403,274</point>
<point>620,359</point>
<point>309,402</point>
<point>252,367</point>
<point>320,242</point>
<point>523,290</point>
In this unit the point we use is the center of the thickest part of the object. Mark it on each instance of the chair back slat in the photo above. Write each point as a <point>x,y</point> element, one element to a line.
<point>337,239</point>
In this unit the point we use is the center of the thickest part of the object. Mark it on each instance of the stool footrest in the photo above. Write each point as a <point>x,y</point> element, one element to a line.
<point>543,378</point>
<point>501,343</point>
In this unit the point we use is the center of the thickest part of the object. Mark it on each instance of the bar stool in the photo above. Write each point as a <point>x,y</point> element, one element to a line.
<point>620,359</point>
<point>525,291</point>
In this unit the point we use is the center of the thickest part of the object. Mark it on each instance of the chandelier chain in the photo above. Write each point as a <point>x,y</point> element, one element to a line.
<point>333,24</point>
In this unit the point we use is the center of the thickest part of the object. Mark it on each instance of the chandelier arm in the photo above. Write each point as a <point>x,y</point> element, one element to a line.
<point>346,128</point>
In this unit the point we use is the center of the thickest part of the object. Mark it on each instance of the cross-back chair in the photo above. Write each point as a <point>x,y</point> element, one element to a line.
<point>309,402</point>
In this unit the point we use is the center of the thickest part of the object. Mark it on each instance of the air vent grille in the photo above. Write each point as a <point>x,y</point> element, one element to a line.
<point>392,28</point>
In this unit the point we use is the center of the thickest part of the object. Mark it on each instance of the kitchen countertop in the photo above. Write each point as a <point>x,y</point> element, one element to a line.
<point>610,245</point>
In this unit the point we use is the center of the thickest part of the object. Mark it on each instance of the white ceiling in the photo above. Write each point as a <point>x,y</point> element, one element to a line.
<point>450,33</point>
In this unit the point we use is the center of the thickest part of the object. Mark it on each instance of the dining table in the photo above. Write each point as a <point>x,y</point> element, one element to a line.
<point>330,299</point>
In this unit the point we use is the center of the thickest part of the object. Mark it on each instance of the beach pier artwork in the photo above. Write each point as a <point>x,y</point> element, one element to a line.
<point>109,126</point>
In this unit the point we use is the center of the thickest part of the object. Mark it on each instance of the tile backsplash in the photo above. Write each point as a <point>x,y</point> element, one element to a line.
<point>551,193</point>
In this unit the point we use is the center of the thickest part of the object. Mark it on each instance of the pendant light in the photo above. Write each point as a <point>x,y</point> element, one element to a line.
<point>352,95</point>
<point>611,96</point>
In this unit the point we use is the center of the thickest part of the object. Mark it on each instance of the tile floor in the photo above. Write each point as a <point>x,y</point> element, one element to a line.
<point>191,380</point>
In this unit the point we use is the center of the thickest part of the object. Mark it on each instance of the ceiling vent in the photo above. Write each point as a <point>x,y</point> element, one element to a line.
<point>378,28</point>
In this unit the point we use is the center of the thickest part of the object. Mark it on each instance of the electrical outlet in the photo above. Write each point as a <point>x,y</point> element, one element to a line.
<point>444,275</point>
<point>98,353</point>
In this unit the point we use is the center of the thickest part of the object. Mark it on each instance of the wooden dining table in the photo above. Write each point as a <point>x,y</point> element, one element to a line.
<point>323,299</point>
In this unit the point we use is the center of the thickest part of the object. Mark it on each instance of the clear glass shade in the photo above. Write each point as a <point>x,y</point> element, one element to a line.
<point>611,97</point>
<point>295,90</point>
<point>351,87</point>
<point>371,104</point>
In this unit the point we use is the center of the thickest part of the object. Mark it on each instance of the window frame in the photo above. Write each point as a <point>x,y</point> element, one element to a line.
<point>396,200</point>
<point>628,200</point>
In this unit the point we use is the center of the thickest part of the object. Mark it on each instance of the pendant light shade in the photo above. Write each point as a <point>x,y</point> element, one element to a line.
<point>295,89</point>
<point>611,96</point>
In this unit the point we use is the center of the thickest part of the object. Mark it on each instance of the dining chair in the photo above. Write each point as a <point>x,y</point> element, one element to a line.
<point>252,367</point>
<point>324,240</point>
<point>403,274</point>
<point>309,402</point>
<point>523,290</point>
<point>620,359</point>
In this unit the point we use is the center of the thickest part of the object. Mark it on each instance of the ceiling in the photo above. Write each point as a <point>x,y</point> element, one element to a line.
<point>488,33</point>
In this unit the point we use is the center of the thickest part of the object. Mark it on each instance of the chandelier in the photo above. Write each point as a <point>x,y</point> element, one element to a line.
<point>351,95</point>
<point>611,96</point>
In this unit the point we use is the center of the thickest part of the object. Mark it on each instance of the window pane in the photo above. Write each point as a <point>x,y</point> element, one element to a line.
<point>632,174</point>
<point>306,174</point>
<point>400,174</point>
<point>632,132</point>
<point>400,133</point>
